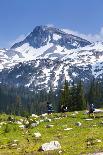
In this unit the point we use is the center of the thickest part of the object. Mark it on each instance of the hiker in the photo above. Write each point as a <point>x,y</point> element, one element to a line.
<point>49,108</point>
<point>64,109</point>
<point>91,109</point>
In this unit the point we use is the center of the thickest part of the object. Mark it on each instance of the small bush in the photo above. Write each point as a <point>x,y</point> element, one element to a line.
<point>6,128</point>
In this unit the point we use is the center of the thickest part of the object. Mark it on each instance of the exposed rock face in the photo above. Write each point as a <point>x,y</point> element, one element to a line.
<point>41,35</point>
<point>49,55</point>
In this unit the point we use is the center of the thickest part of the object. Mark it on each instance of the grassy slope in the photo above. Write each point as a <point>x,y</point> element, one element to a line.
<point>79,140</point>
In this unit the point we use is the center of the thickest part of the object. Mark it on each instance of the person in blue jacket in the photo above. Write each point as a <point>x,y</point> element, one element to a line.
<point>49,108</point>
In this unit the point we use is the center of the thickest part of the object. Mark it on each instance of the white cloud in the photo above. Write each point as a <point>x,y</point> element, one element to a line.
<point>90,37</point>
<point>18,39</point>
<point>101,31</point>
<point>50,25</point>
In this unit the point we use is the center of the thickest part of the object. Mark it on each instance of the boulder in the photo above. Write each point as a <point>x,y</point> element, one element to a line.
<point>53,145</point>
<point>88,119</point>
<point>73,114</point>
<point>13,145</point>
<point>22,126</point>
<point>98,141</point>
<point>60,152</point>
<point>94,125</point>
<point>18,122</point>
<point>37,122</point>
<point>37,135</point>
<point>49,126</point>
<point>2,123</point>
<point>34,124</point>
<point>47,120</point>
<point>41,120</point>
<point>76,112</point>
<point>21,120</point>
<point>34,115</point>
<point>15,141</point>
<point>102,122</point>
<point>78,124</point>
<point>27,122</point>
<point>67,129</point>
<point>57,118</point>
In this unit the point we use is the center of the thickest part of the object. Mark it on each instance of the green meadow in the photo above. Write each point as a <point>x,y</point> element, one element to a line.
<point>17,134</point>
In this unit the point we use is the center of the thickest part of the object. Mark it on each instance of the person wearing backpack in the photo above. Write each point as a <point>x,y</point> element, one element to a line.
<point>91,109</point>
<point>49,108</point>
<point>64,109</point>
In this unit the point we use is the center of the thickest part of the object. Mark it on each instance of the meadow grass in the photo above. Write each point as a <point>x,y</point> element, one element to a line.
<point>81,140</point>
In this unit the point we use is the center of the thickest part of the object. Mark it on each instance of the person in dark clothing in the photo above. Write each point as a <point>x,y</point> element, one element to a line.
<point>49,108</point>
<point>91,109</point>
<point>63,108</point>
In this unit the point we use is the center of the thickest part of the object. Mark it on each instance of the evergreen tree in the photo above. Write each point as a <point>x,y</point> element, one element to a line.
<point>73,98</point>
<point>91,93</point>
<point>65,96</point>
<point>95,93</point>
<point>18,105</point>
<point>81,103</point>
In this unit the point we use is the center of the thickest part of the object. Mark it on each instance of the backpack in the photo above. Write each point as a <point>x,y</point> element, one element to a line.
<point>92,107</point>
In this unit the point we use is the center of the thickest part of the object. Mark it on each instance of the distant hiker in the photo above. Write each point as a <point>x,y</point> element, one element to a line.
<point>49,108</point>
<point>91,109</point>
<point>63,108</point>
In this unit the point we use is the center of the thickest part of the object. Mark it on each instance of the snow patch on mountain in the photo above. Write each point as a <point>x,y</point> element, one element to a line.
<point>56,37</point>
<point>30,53</point>
<point>58,71</point>
<point>47,56</point>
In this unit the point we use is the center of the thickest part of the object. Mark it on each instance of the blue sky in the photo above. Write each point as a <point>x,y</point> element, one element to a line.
<point>19,17</point>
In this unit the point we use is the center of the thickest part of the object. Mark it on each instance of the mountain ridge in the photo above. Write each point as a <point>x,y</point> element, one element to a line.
<point>55,55</point>
<point>46,32</point>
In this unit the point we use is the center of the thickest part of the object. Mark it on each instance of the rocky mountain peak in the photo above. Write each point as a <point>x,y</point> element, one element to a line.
<point>48,55</point>
<point>41,35</point>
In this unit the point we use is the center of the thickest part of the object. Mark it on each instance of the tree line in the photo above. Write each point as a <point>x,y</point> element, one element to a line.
<point>22,101</point>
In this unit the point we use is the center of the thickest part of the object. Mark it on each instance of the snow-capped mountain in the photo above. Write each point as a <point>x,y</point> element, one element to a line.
<point>48,55</point>
<point>43,42</point>
<point>42,35</point>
